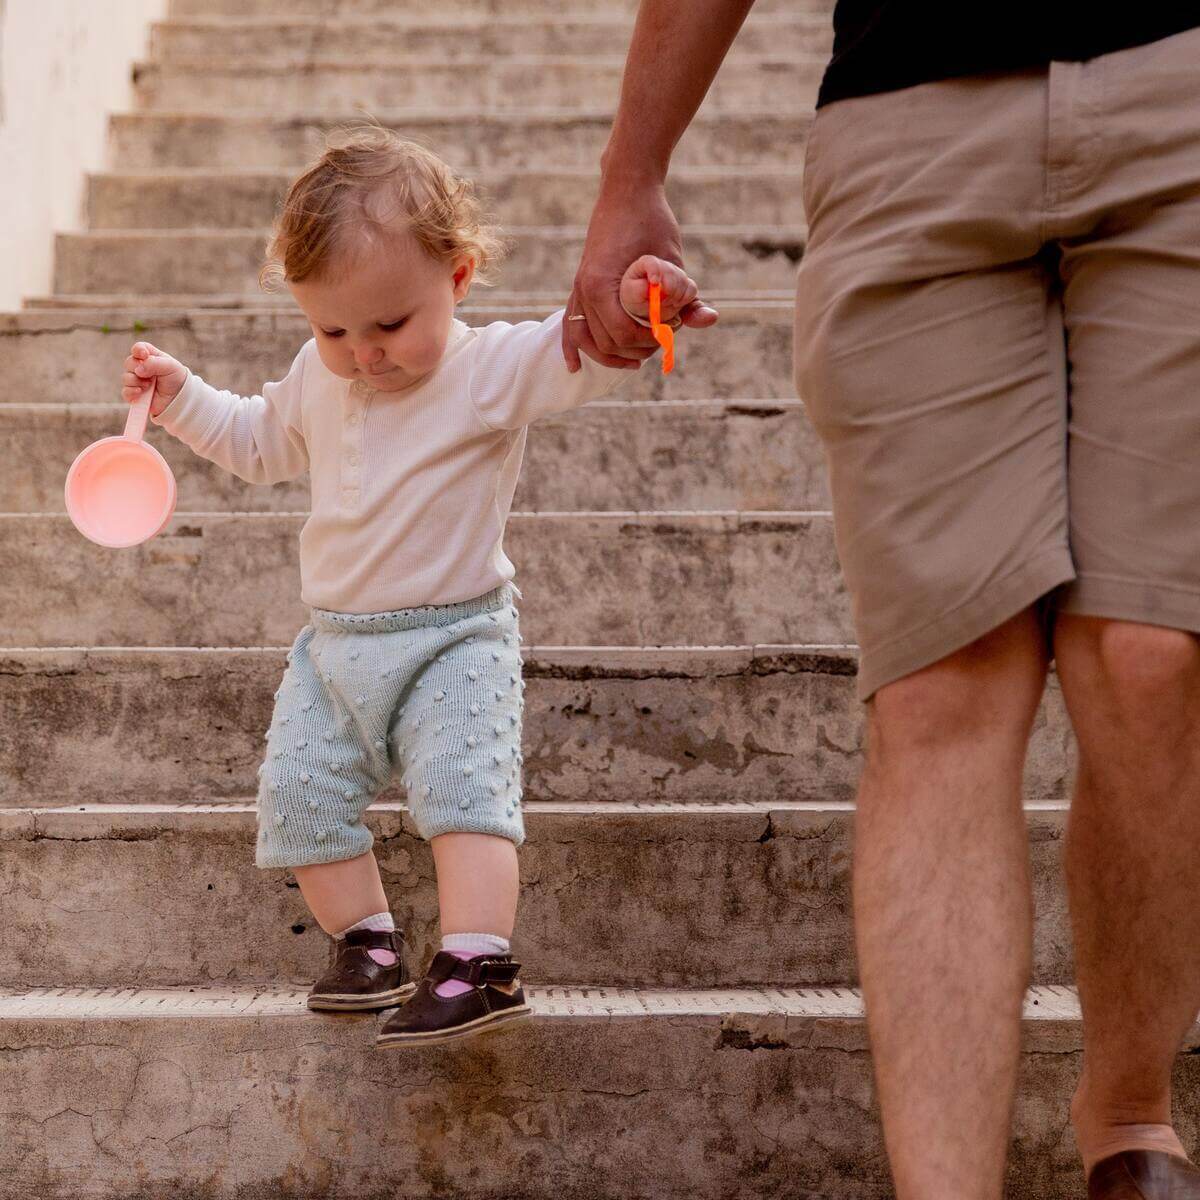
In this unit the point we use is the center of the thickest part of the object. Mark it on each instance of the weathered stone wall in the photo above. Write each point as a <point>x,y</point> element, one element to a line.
<point>65,66</point>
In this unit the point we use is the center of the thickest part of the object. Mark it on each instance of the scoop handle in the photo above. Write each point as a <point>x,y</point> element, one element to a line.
<point>139,414</point>
<point>664,335</point>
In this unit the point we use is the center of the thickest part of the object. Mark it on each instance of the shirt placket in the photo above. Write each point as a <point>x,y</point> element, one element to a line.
<point>358,397</point>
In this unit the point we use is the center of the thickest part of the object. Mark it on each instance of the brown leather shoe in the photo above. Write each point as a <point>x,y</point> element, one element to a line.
<point>1144,1175</point>
<point>355,982</point>
<point>496,998</point>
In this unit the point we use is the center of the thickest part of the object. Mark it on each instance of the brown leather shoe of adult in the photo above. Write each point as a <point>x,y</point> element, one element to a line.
<point>355,982</point>
<point>1144,1175</point>
<point>496,998</point>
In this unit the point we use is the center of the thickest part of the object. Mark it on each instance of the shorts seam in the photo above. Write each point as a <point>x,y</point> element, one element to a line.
<point>969,620</point>
<point>1108,598</point>
<point>1142,585</point>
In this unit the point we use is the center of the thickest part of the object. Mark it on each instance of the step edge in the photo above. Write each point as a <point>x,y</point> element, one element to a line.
<point>1044,1004</point>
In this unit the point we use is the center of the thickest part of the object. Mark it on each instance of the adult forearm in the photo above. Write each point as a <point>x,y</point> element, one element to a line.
<point>677,48</point>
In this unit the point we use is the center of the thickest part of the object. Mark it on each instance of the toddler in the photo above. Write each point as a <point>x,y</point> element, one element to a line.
<point>412,428</point>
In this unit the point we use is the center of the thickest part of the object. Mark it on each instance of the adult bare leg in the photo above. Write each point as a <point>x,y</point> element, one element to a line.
<point>943,909</point>
<point>1133,872</point>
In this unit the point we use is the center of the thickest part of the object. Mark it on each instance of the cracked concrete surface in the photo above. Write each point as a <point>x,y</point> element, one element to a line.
<point>653,895</point>
<point>734,724</point>
<point>590,578</point>
<point>625,455</point>
<point>711,1102</point>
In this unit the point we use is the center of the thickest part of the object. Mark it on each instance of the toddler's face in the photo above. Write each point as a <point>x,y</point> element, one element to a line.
<point>384,315</point>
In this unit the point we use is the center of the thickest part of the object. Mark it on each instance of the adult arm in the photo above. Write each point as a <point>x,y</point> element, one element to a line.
<point>677,47</point>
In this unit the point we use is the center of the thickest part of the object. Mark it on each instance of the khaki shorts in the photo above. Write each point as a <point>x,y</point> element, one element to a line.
<point>998,341</point>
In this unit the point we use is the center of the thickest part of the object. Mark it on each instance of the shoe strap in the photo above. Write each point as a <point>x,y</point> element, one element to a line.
<point>478,972</point>
<point>375,939</point>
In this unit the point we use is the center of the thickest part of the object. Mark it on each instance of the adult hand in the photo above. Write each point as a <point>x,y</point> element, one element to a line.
<point>629,220</point>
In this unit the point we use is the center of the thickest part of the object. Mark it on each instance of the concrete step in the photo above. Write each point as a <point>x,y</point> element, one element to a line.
<point>743,257</point>
<point>454,84</point>
<point>664,895</point>
<point>608,1093</point>
<point>413,10</point>
<point>452,36</point>
<point>619,578</point>
<point>132,306</point>
<point>190,199</point>
<point>641,455</point>
<point>509,141</point>
<point>75,354</point>
<point>603,724</point>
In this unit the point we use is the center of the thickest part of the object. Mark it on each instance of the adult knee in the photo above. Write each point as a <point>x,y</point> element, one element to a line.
<point>987,693</point>
<point>1143,678</point>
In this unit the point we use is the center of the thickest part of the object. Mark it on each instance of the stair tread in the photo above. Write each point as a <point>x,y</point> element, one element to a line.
<point>1042,1003</point>
<point>16,816</point>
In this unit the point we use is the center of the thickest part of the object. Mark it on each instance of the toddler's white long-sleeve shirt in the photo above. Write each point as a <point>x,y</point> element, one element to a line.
<point>410,490</point>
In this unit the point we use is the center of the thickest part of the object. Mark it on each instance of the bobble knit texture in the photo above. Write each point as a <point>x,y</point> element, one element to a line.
<point>366,697</point>
<point>410,491</point>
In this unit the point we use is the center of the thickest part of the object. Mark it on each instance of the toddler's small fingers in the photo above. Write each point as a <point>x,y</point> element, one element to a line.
<point>156,364</point>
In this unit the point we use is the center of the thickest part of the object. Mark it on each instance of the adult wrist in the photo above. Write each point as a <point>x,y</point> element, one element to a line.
<point>631,169</point>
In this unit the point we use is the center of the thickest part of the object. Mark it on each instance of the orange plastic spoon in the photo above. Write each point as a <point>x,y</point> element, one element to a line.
<point>664,335</point>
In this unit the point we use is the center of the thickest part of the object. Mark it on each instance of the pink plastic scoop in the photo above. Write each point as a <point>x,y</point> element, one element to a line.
<point>120,491</point>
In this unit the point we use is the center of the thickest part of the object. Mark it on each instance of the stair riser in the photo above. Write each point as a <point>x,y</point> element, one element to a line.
<point>617,581</point>
<point>541,261</point>
<point>471,142</point>
<point>527,198</point>
<point>390,10</point>
<point>76,356</point>
<point>583,1108</point>
<point>175,727</point>
<point>178,42</point>
<point>652,899</point>
<point>665,457</point>
<point>498,84</point>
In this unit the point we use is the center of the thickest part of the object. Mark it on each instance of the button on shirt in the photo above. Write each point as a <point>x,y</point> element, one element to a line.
<point>410,490</point>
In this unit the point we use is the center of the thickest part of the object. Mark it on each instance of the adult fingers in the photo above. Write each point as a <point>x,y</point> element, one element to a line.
<point>581,340</point>
<point>612,329</point>
<point>569,348</point>
<point>699,314</point>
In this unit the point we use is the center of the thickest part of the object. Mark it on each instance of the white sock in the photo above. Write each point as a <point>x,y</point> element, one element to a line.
<point>380,922</point>
<point>471,945</point>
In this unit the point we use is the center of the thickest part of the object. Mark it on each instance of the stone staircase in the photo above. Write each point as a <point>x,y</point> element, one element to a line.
<point>692,740</point>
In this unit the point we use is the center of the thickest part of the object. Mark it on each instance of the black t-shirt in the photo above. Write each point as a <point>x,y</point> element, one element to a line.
<point>889,44</point>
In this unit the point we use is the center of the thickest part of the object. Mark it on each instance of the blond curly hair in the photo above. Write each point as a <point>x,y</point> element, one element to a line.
<point>369,182</point>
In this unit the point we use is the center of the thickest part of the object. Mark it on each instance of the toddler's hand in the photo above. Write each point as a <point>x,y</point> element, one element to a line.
<point>678,291</point>
<point>146,362</point>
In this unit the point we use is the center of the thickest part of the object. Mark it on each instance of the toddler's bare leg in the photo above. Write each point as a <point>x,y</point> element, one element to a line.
<point>478,883</point>
<point>340,894</point>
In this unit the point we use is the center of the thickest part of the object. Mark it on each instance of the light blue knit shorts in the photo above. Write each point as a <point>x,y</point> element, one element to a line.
<point>432,694</point>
